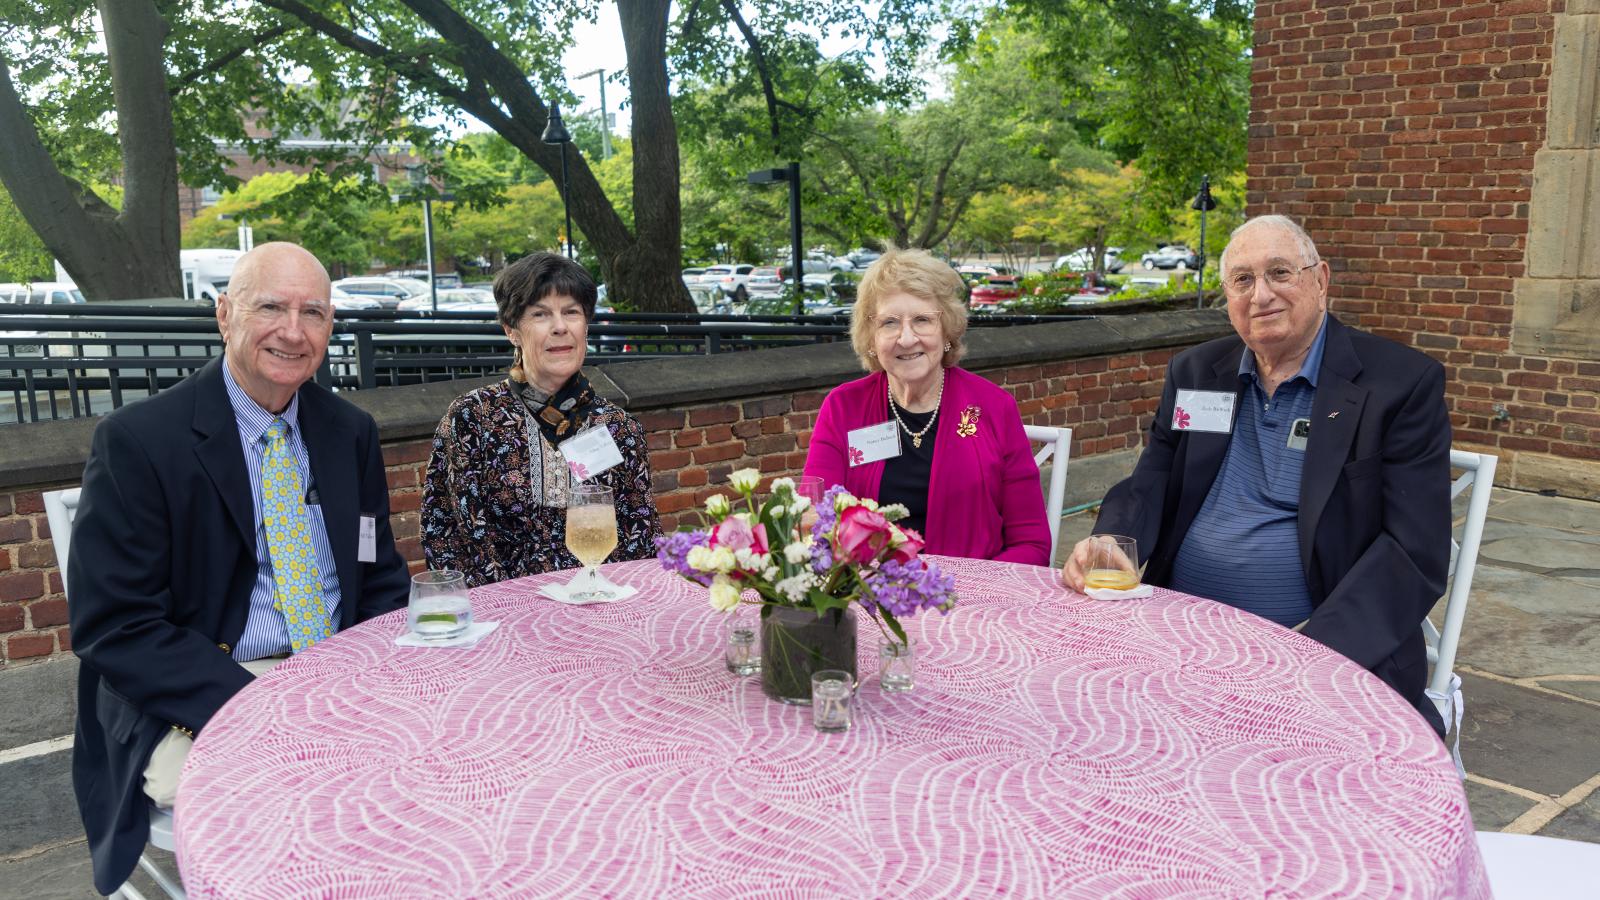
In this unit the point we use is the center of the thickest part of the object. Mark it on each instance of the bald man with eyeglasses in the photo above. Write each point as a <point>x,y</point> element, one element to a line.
<point>1299,470</point>
<point>224,524</point>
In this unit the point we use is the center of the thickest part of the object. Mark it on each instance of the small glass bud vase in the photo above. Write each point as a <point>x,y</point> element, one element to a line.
<point>897,666</point>
<point>742,651</point>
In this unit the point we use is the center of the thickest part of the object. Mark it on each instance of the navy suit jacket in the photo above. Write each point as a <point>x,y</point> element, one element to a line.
<point>162,565</point>
<point>1374,517</point>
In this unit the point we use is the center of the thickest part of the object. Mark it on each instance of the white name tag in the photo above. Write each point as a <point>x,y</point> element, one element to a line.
<point>874,442</point>
<point>367,542</point>
<point>1203,411</point>
<point>590,452</point>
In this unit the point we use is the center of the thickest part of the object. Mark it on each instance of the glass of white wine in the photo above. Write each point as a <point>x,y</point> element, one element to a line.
<point>1113,563</point>
<point>591,536</point>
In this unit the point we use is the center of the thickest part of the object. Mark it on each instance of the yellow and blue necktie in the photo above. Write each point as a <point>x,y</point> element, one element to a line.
<point>296,581</point>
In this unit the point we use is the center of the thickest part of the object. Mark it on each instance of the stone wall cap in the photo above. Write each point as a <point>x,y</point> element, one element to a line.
<point>49,453</point>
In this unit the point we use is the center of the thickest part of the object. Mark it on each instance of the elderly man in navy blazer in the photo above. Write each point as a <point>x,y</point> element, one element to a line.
<point>1299,471</point>
<point>224,524</point>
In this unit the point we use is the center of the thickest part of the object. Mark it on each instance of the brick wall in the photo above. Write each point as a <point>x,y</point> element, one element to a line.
<point>693,448</point>
<point>1402,134</point>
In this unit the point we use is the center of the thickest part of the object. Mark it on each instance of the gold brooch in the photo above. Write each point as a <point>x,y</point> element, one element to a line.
<point>969,421</point>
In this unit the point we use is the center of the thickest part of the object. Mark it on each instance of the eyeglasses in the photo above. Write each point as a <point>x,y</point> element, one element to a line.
<point>1242,284</point>
<point>922,325</point>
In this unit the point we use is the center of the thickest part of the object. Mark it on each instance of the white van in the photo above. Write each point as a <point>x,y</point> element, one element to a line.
<point>42,292</point>
<point>205,273</point>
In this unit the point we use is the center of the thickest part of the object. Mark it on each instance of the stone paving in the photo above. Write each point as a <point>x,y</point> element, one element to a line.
<point>1529,660</point>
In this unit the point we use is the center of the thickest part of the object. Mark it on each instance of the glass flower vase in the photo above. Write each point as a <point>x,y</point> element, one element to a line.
<point>796,642</point>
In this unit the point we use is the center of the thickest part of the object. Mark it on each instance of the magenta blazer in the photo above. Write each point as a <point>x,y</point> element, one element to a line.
<point>984,496</point>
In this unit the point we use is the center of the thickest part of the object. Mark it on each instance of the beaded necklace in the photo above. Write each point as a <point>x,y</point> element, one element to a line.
<point>916,436</point>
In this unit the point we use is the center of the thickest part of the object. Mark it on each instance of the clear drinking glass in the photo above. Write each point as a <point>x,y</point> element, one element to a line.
<point>591,536</point>
<point>831,693</point>
<point>811,488</point>
<point>1113,563</point>
<point>742,648</point>
<point>897,666</point>
<point>439,607</point>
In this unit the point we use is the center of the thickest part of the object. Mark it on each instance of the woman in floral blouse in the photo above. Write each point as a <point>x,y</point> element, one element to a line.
<point>494,506</point>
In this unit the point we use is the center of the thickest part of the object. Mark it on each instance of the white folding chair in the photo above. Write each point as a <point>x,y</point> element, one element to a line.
<point>61,508</point>
<point>1444,685</point>
<point>1057,447</point>
<point>1535,867</point>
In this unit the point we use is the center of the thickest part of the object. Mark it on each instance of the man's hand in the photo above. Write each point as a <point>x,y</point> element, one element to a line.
<point>1077,565</point>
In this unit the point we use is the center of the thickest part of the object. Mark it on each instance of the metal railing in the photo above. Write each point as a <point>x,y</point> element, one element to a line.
<point>86,360</point>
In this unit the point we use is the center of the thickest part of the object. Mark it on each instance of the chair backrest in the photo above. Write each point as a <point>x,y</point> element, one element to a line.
<point>1057,447</point>
<point>1478,473</point>
<point>60,508</point>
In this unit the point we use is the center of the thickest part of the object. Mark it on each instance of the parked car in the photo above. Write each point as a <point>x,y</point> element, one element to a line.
<point>343,299</point>
<point>456,300</point>
<point>994,290</point>
<point>387,291</point>
<point>41,292</point>
<point>1082,260</point>
<point>442,279</point>
<point>1172,256</point>
<point>766,281</point>
<point>1145,283</point>
<point>730,279</point>
<point>861,257</point>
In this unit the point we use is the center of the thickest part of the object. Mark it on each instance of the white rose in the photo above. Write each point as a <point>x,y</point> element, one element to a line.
<point>799,506</point>
<point>797,552</point>
<point>745,480</point>
<point>721,560</point>
<point>717,506</point>
<point>699,558</point>
<point>783,484</point>
<point>724,596</point>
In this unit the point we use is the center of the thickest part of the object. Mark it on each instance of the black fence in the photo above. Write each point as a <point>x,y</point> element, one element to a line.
<point>89,359</point>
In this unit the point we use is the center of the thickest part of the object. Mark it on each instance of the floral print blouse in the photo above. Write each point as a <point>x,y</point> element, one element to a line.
<point>494,505</point>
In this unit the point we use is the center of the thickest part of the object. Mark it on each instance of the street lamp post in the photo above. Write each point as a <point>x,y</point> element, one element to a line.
<point>791,174</point>
<point>1204,202</point>
<point>419,180</point>
<point>556,133</point>
<point>605,114</point>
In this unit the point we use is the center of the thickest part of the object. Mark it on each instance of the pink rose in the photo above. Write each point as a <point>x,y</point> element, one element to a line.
<point>862,534</point>
<point>736,534</point>
<point>907,549</point>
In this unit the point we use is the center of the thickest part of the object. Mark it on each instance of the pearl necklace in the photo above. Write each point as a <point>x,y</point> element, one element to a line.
<point>916,436</point>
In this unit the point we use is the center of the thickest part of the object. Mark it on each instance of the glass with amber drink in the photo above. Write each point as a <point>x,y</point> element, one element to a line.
<point>1113,563</point>
<point>591,536</point>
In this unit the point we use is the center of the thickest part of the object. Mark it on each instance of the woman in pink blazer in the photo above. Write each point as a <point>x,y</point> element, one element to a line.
<point>957,456</point>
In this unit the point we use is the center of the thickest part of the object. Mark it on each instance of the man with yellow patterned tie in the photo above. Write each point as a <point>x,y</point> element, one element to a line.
<point>225,524</point>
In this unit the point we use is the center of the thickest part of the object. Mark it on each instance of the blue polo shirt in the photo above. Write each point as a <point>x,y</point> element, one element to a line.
<point>1244,546</point>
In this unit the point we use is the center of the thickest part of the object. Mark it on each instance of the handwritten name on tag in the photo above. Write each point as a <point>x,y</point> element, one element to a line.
<point>874,442</point>
<point>591,452</point>
<point>1203,411</point>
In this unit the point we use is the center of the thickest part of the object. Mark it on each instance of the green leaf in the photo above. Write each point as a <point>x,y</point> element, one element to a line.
<point>894,624</point>
<point>823,602</point>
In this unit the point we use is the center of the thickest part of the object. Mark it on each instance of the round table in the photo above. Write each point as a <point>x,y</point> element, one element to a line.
<point>1054,746</point>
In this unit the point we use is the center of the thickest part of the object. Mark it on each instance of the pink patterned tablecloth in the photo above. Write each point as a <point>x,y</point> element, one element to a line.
<point>1054,747</point>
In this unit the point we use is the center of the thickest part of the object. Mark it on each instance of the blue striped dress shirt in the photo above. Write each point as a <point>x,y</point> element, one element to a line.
<point>1244,546</point>
<point>264,631</point>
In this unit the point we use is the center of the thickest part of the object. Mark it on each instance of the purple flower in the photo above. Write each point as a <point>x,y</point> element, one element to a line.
<point>906,588</point>
<point>673,551</point>
<point>827,517</point>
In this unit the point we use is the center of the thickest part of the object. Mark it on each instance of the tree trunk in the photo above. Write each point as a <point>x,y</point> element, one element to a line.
<point>110,255</point>
<point>648,275</point>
